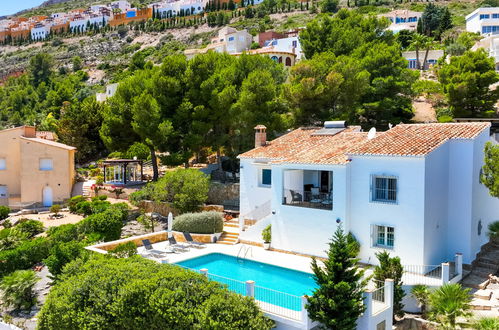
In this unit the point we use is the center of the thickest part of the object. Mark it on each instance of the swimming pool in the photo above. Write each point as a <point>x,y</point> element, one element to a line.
<point>270,280</point>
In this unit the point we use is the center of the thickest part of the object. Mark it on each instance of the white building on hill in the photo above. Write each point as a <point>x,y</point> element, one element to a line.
<point>483,20</point>
<point>413,190</point>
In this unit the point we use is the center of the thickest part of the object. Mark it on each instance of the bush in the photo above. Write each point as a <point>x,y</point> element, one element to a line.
<point>199,223</point>
<point>135,293</point>
<point>448,303</point>
<point>493,230</point>
<point>24,256</point>
<point>29,227</point>
<point>107,224</point>
<point>267,234</point>
<point>56,208</point>
<point>74,201</point>
<point>18,289</point>
<point>63,233</point>
<point>486,323</point>
<point>124,250</point>
<point>63,253</point>
<point>4,212</point>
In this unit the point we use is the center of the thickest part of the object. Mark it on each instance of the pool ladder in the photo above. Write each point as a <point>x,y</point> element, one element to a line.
<point>243,251</point>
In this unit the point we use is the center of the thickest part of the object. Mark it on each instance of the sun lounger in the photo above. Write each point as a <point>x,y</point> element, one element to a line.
<point>150,250</point>
<point>192,243</point>
<point>177,246</point>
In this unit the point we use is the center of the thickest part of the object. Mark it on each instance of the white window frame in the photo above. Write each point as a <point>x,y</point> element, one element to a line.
<point>45,167</point>
<point>376,230</point>
<point>373,189</point>
<point>3,163</point>
<point>260,177</point>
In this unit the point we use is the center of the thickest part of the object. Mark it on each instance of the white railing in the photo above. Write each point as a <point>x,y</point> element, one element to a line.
<point>433,275</point>
<point>278,303</point>
<point>257,214</point>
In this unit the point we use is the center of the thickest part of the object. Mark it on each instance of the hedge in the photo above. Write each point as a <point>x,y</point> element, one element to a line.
<point>199,223</point>
<point>24,256</point>
<point>107,224</point>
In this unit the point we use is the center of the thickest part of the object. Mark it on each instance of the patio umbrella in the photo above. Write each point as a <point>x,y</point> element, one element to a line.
<point>170,224</point>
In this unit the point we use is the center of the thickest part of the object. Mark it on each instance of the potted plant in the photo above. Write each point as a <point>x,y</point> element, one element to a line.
<point>267,237</point>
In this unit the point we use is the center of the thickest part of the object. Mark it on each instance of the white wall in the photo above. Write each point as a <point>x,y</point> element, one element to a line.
<point>252,194</point>
<point>436,207</point>
<point>406,216</point>
<point>484,207</point>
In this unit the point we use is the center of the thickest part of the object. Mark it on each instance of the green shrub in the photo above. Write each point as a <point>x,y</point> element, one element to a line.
<point>63,233</point>
<point>106,224</point>
<point>4,212</point>
<point>144,194</point>
<point>486,323</point>
<point>124,250</point>
<point>17,289</point>
<point>63,253</point>
<point>10,239</point>
<point>74,201</point>
<point>56,208</point>
<point>493,230</point>
<point>24,256</point>
<point>267,234</point>
<point>29,227</point>
<point>134,293</point>
<point>199,223</point>
<point>445,119</point>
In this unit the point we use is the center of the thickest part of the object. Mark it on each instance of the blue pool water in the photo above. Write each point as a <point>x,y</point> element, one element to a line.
<point>270,280</point>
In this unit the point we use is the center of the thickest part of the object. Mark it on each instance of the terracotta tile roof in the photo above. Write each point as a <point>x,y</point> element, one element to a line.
<point>50,143</point>
<point>302,147</point>
<point>417,139</point>
<point>47,135</point>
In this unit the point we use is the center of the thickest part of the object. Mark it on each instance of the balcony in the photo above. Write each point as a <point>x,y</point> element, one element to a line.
<point>312,199</point>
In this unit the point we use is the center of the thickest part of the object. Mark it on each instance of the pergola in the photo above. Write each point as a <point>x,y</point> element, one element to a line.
<point>122,171</point>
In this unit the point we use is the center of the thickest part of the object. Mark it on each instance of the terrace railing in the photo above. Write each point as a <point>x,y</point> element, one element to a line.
<point>434,275</point>
<point>318,200</point>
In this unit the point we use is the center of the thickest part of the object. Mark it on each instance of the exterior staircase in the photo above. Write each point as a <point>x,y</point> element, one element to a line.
<point>486,263</point>
<point>485,300</point>
<point>230,235</point>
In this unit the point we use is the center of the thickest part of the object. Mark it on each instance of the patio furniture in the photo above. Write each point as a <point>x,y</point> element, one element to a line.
<point>316,196</point>
<point>296,197</point>
<point>191,242</point>
<point>150,250</point>
<point>177,246</point>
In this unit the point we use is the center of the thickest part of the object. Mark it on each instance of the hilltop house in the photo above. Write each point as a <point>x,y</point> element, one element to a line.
<point>229,40</point>
<point>491,45</point>
<point>483,20</point>
<point>33,168</point>
<point>433,56</point>
<point>403,19</point>
<point>413,190</point>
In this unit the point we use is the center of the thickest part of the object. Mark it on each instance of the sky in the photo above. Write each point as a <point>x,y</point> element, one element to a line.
<point>8,7</point>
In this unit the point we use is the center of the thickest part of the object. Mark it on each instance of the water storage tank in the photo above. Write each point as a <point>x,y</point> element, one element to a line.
<point>335,124</point>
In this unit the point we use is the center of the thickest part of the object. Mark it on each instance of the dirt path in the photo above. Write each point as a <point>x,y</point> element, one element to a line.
<point>423,111</point>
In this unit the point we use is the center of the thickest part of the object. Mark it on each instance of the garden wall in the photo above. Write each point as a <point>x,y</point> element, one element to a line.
<point>220,192</point>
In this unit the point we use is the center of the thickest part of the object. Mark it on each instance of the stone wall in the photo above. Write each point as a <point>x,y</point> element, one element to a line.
<point>157,207</point>
<point>220,192</point>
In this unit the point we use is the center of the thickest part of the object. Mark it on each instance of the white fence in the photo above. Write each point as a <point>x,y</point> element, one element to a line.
<point>434,275</point>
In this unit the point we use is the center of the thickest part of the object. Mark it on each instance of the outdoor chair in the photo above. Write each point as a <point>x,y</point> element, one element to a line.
<point>316,196</point>
<point>192,243</point>
<point>176,246</point>
<point>150,250</point>
<point>296,197</point>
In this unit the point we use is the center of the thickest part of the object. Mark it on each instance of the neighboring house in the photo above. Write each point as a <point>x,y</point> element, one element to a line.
<point>289,45</point>
<point>483,20</point>
<point>168,9</point>
<point>288,58</point>
<point>40,31</point>
<point>413,190</point>
<point>34,170</point>
<point>403,19</point>
<point>431,60</point>
<point>229,40</point>
<point>110,91</point>
<point>491,45</point>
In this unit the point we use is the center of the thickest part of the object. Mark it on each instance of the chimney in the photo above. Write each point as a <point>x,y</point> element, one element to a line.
<point>29,132</point>
<point>260,136</point>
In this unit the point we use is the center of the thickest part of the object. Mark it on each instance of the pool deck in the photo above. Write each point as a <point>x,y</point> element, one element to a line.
<point>245,251</point>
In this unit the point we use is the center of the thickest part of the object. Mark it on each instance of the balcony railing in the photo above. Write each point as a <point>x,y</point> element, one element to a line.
<point>315,200</point>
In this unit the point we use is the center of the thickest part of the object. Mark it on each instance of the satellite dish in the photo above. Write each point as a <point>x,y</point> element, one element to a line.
<point>390,125</point>
<point>372,133</point>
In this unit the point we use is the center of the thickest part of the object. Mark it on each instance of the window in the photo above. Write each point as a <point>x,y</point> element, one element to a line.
<point>46,164</point>
<point>266,177</point>
<point>384,189</point>
<point>495,15</point>
<point>384,236</point>
<point>3,164</point>
<point>295,43</point>
<point>231,38</point>
<point>484,16</point>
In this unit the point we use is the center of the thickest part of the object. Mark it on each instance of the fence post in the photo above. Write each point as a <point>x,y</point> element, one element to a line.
<point>204,271</point>
<point>241,223</point>
<point>250,288</point>
<point>389,289</point>
<point>445,272</point>
<point>304,313</point>
<point>458,260</point>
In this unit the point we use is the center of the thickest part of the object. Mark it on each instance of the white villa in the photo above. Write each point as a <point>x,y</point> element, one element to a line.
<point>413,190</point>
<point>483,20</point>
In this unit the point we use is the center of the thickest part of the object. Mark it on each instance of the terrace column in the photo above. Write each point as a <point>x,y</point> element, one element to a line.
<point>389,292</point>
<point>458,260</point>
<point>445,272</point>
<point>304,313</point>
<point>250,288</point>
<point>204,271</point>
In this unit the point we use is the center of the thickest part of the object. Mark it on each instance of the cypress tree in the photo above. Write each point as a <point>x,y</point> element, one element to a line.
<point>391,268</point>
<point>337,303</point>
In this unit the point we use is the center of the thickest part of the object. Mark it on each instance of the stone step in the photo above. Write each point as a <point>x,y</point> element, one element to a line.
<point>483,294</point>
<point>231,225</point>
<point>482,271</point>
<point>487,264</point>
<point>481,305</point>
<point>473,281</point>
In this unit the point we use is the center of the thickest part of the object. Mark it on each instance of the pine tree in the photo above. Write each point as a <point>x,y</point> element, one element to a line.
<point>391,268</point>
<point>337,303</point>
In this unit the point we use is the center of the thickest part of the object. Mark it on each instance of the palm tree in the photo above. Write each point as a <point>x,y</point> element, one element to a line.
<point>17,289</point>
<point>449,302</point>
<point>486,323</point>
<point>428,43</point>
<point>421,294</point>
<point>418,42</point>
